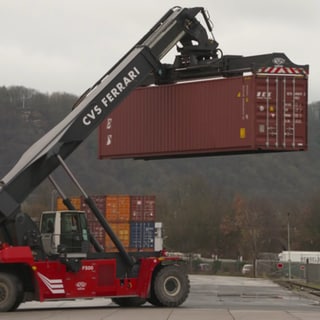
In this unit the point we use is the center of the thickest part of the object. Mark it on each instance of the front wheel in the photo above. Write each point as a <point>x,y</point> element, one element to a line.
<point>11,292</point>
<point>170,287</point>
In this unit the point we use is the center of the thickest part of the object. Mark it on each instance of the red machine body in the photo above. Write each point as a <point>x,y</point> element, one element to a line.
<point>95,277</point>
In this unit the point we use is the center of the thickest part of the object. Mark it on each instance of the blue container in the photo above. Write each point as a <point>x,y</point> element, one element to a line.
<point>142,235</point>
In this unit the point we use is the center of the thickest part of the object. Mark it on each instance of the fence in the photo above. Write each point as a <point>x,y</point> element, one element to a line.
<point>263,268</point>
<point>302,271</point>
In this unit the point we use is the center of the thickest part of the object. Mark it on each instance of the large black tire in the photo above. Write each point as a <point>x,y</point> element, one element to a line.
<point>11,292</point>
<point>129,302</point>
<point>154,300</point>
<point>170,287</point>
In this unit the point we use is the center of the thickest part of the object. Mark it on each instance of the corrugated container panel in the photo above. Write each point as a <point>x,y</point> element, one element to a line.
<point>122,230</point>
<point>142,235</point>
<point>100,202</point>
<point>219,116</point>
<point>76,201</point>
<point>96,230</point>
<point>94,225</point>
<point>117,208</point>
<point>143,208</point>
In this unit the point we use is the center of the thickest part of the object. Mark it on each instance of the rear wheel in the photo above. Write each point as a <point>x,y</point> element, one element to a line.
<point>11,292</point>
<point>129,302</point>
<point>170,287</point>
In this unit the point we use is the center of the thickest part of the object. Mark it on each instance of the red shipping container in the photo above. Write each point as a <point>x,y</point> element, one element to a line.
<point>100,202</point>
<point>94,226</point>
<point>218,116</point>
<point>143,208</point>
<point>96,230</point>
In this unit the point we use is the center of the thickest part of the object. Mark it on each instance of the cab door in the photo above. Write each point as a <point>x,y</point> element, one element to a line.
<point>74,232</point>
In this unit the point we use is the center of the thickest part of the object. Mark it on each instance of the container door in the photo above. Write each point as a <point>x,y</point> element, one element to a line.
<point>281,109</point>
<point>294,113</point>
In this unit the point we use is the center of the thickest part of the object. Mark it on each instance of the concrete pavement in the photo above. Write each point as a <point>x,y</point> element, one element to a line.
<point>211,297</point>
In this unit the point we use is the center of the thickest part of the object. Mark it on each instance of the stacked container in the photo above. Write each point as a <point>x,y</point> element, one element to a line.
<point>94,226</point>
<point>142,222</point>
<point>117,208</point>
<point>76,202</point>
<point>143,208</point>
<point>142,235</point>
<point>132,219</point>
<point>118,215</point>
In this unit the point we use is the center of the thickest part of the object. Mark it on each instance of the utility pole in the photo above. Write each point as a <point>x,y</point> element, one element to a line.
<point>289,249</point>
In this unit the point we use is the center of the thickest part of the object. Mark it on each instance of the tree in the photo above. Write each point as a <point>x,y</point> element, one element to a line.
<point>258,224</point>
<point>193,216</point>
<point>308,226</point>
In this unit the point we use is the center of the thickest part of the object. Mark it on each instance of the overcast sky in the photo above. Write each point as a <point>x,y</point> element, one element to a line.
<point>67,45</point>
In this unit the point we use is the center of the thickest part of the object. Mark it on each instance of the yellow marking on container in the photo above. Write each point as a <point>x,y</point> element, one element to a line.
<point>242,133</point>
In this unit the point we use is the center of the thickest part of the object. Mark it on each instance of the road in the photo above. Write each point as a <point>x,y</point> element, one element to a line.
<point>211,297</point>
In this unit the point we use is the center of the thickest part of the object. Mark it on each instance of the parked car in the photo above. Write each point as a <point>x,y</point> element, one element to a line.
<point>247,269</point>
<point>204,267</point>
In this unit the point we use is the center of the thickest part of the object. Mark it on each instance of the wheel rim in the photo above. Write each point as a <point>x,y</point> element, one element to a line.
<point>172,286</point>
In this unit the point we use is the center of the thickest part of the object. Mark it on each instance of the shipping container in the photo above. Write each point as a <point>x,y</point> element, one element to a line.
<point>142,234</point>
<point>143,208</point>
<point>121,211</point>
<point>100,202</point>
<point>117,208</point>
<point>96,231</point>
<point>122,230</point>
<point>76,201</point>
<point>94,225</point>
<point>256,113</point>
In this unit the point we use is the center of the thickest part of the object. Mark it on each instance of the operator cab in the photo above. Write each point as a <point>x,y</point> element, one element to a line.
<point>64,232</point>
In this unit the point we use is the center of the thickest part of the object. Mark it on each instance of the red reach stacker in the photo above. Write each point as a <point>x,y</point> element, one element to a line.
<point>55,261</point>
